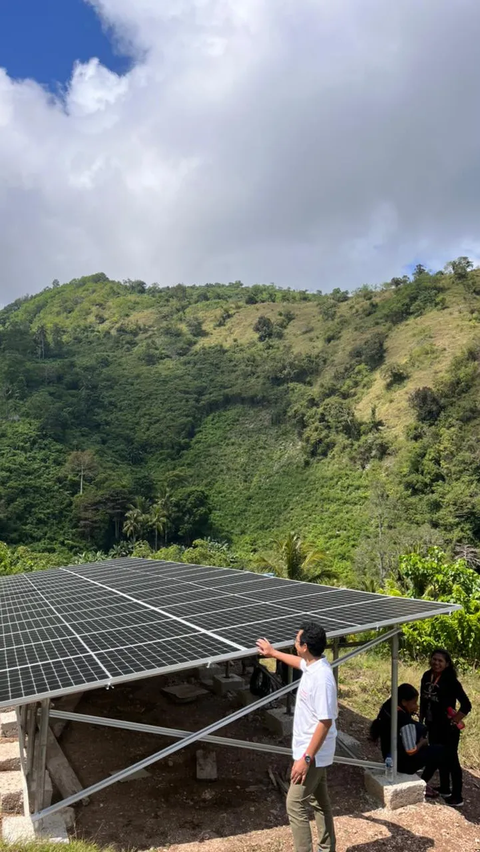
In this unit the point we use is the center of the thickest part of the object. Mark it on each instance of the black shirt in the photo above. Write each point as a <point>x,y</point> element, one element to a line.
<point>437,694</point>
<point>409,732</point>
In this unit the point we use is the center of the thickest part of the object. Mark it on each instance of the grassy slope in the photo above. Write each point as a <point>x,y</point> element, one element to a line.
<point>424,346</point>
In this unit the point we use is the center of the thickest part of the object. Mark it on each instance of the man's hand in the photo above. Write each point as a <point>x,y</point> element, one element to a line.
<point>422,742</point>
<point>299,771</point>
<point>265,649</point>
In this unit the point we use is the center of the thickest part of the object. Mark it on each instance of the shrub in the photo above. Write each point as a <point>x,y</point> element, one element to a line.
<point>426,405</point>
<point>371,352</point>
<point>395,374</point>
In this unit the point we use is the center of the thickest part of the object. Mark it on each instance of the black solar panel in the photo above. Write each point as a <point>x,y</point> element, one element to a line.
<point>88,625</point>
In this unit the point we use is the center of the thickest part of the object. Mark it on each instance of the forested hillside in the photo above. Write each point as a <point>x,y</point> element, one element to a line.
<point>241,414</point>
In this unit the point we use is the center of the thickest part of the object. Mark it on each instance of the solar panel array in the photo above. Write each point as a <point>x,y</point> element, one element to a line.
<point>82,626</point>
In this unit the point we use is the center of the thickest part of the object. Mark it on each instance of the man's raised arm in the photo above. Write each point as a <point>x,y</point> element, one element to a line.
<point>265,649</point>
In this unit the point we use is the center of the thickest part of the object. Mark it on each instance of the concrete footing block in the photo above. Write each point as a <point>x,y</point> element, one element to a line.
<point>246,697</point>
<point>17,829</point>
<point>223,684</point>
<point>68,815</point>
<point>184,693</point>
<point>278,721</point>
<point>9,757</point>
<point>52,828</point>
<point>11,792</point>
<point>206,765</point>
<point>407,790</point>
<point>205,674</point>
<point>8,724</point>
<point>21,829</point>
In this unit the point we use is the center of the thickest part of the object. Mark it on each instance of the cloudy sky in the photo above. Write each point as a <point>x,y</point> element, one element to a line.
<point>313,143</point>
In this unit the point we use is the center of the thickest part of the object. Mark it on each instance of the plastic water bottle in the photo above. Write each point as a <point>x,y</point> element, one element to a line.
<point>388,768</point>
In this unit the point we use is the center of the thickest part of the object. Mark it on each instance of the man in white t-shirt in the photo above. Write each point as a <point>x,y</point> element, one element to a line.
<point>314,736</point>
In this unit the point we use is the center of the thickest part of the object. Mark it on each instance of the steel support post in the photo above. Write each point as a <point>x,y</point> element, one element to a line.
<point>199,735</point>
<point>289,696</point>
<point>31,728</point>
<point>41,762</point>
<point>335,654</point>
<point>21,719</point>
<point>394,717</point>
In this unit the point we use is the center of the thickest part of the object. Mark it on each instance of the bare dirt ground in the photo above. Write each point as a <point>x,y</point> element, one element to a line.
<point>241,811</point>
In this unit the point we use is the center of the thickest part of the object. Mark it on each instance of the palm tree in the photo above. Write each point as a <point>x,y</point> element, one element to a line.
<point>294,559</point>
<point>164,506</point>
<point>134,523</point>
<point>158,520</point>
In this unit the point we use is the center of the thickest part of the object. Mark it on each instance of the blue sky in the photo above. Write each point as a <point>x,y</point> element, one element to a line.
<point>235,148</point>
<point>42,39</point>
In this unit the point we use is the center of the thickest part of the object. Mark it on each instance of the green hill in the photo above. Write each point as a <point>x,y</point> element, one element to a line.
<point>246,413</point>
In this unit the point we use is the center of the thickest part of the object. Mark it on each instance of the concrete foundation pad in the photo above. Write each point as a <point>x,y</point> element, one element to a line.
<point>278,721</point>
<point>9,757</point>
<point>68,815</point>
<point>11,792</point>
<point>52,828</point>
<point>205,675</point>
<point>21,829</point>
<point>17,829</point>
<point>206,765</point>
<point>184,693</point>
<point>407,790</point>
<point>8,724</point>
<point>223,684</point>
<point>246,697</point>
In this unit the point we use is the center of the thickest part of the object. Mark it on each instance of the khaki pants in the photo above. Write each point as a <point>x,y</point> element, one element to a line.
<point>314,793</point>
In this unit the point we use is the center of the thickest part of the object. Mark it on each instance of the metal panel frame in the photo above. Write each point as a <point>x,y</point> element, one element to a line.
<point>186,738</point>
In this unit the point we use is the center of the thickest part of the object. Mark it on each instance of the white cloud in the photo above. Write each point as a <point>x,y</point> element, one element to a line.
<point>312,144</point>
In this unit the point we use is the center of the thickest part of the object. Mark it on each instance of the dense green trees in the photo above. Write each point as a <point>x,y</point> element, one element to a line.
<point>274,403</point>
<point>435,576</point>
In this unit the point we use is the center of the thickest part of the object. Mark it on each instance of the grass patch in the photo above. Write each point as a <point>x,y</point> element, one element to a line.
<point>49,846</point>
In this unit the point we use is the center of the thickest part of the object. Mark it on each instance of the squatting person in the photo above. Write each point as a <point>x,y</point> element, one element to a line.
<point>414,752</point>
<point>314,737</point>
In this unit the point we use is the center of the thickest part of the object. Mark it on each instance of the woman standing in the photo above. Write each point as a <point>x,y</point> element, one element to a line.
<point>440,692</point>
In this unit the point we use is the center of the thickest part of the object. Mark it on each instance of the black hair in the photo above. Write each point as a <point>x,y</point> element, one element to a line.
<point>446,656</point>
<point>314,637</point>
<point>406,692</point>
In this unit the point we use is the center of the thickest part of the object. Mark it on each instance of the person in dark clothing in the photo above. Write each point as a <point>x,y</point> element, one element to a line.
<point>413,751</point>
<point>440,693</point>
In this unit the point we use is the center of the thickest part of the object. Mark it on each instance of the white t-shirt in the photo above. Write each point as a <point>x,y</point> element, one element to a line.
<point>316,700</point>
